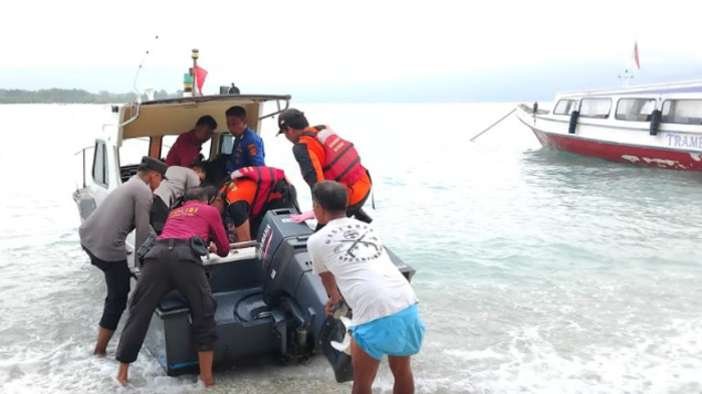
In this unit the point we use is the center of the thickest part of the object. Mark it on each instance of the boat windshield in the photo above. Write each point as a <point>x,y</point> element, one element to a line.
<point>564,107</point>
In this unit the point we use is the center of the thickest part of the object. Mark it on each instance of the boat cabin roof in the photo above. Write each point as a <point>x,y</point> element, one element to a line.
<point>678,88</point>
<point>178,115</point>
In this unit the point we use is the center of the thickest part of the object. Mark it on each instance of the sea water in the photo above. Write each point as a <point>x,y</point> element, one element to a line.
<point>537,271</point>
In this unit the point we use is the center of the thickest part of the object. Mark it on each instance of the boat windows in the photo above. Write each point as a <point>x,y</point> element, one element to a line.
<point>132,150</point>
<point>635,109</point>
<point>564,107</point>
<point>595,107</point>
<point>99,164</point>
<point>682,111</point>
<point>167,141</point>
<point>226,144</point>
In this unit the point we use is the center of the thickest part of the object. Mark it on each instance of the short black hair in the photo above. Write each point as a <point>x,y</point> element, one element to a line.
<point>152,164</point>
<point>202,193</point>
<point>208,121</point>
<point>236,111</point>
<point>293,118</point>
<point>331,196</point>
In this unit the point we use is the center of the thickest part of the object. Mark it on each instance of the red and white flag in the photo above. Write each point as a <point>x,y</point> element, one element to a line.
<point>637,64</point>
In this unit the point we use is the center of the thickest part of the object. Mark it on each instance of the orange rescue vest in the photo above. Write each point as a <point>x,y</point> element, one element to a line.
<point>266,179</point>
<point>341,160</point>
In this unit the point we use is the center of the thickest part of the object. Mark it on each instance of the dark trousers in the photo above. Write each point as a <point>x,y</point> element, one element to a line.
<point>117,282</point>
<point>356,210</point>
<point>169,266</point>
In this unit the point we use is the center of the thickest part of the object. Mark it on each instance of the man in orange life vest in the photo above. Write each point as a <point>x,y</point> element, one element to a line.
<point>250,194</point>
<point>323,155</point>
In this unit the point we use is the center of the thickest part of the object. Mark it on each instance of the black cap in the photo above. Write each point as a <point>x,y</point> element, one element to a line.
<point>291,118</point>
<point>149,163</point>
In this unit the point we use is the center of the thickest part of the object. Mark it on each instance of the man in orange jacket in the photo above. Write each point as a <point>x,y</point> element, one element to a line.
<point>323,155</point>
<point>251,193</point>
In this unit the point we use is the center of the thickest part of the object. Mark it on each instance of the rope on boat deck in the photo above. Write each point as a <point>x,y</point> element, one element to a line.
<point>494,124</point>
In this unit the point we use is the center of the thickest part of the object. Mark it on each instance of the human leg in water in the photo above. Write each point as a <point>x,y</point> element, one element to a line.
<point>365,368</point>
<point>204,359</point>
<point>402,372</point>
<point>103,338</point>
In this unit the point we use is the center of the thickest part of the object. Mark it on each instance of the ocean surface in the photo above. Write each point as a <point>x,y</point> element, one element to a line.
<point>537,271</point>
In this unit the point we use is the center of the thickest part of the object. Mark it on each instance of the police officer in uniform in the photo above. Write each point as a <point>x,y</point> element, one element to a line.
<point>248,146</point>
<point>103,233</point>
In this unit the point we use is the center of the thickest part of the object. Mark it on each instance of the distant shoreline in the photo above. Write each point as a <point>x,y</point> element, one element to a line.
<point>71,96</point>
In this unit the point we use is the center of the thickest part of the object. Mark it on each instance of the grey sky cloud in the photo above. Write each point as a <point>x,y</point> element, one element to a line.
<point>442,50</point>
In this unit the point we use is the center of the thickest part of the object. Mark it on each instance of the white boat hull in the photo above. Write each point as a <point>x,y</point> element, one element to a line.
<point>632,143</point>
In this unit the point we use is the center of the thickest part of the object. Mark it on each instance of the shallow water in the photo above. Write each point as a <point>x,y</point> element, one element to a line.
<point>537,271</point>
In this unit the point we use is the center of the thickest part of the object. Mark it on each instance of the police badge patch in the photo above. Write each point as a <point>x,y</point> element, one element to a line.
<point>252,149</point>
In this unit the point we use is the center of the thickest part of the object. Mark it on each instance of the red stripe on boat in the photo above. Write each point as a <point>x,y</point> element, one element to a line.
<point>647,156</point>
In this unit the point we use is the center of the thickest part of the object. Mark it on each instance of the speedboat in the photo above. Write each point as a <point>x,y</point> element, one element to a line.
<point>269,301</point>
<point>653,125</point>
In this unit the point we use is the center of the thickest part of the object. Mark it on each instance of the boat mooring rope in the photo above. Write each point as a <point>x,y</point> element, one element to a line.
<point>494,124</point>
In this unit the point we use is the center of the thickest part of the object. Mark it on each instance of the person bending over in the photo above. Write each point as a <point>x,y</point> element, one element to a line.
<point>103,233</point>
<point>323,155</point>
<point>174,263</point>
<point>252,192</point>
<point>354,266</point>
<point>170,193</point>
<point>188,145</point>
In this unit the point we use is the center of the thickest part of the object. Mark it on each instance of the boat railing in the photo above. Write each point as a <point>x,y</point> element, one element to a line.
<point>238,251</point>
<point>279,109</point>
<point>530,109</point>
<point>82,151</point>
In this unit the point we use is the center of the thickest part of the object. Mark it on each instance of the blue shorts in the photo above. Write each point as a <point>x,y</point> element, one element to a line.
<point>399,334</point>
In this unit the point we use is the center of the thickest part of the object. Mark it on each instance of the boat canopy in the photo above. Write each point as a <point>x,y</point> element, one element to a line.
<point>653,89</point>
<point>175,116</point>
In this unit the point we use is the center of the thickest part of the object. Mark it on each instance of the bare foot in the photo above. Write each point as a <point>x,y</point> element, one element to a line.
<point>122,373</point>
<point>205,360</point>
<point>103,339</point>
<point>208,382</point>
<point>121,380</point>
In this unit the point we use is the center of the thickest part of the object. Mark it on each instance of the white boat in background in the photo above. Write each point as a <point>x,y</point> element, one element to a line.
<point>655,125</point>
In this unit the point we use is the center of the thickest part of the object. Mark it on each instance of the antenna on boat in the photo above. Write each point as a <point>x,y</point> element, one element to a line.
<point>625,77</point>
<point>141,65</point>
<point>195,54</point>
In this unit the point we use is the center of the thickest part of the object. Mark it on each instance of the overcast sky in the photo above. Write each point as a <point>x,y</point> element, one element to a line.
<point>327,49</point>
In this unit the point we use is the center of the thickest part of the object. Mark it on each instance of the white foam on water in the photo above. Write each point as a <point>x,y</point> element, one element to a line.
<point>531,363</point>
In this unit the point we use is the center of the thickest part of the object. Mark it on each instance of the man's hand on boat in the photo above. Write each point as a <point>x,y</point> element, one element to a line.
<point>332,303</point>
<point>212,248</point>
<point>302,217</point>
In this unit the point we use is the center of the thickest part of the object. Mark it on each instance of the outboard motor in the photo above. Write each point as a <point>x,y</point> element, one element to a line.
<point>573,121</point>
<point>655,122</point>
<point>290,284</point>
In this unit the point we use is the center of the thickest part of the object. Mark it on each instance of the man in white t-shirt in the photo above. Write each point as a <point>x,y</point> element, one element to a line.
<point>353,264</point>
